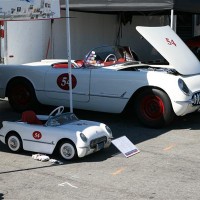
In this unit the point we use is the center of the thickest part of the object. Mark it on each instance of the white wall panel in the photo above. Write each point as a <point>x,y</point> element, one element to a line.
<point>27,41</point>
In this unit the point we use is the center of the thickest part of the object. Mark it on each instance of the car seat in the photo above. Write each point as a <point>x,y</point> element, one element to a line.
<point>30,118</point>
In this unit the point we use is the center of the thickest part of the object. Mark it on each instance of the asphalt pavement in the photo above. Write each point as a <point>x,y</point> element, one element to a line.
<point>167,167</point>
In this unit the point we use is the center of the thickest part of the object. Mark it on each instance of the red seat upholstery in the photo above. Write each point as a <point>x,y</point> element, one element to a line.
<point>30,117</point>
<point>60,65</point>
<point>79,62</point>
<point>121,60</point>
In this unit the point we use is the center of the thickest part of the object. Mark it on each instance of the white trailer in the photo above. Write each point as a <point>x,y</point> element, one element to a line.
<point>25,29</point>
<point>25,41</point>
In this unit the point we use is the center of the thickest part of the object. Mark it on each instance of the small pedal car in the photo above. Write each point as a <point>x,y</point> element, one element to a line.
<point>58,131</point>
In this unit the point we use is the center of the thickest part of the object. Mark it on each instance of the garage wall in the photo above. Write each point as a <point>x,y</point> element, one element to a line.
<point>197,25</point>
<point>89,30</point>
<point>130,37</point>
<point>29,41</point>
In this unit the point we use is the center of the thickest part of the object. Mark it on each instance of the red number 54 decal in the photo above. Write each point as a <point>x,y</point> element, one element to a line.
<point>170,41</point>
<point>37,135</point>
<point>63,81</point>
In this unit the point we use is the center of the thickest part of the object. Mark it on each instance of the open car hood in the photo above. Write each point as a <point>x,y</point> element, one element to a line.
<point>172,48</point>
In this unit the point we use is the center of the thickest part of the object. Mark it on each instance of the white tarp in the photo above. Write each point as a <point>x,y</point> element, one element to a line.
<point>29,9</point>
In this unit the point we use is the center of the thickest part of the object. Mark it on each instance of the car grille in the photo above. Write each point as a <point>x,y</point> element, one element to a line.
<point>196,99</point>
<point>96,141</point>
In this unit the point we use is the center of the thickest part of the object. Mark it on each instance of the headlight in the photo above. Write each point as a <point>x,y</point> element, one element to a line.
<point>109,131</point>
<point>183,87</point>
<point>83,137</point>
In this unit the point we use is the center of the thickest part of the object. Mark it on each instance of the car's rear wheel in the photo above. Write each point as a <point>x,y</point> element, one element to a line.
<point>21,95</point>
<point>14,143</point>
<point>153,108</point>
<point>67,150</point>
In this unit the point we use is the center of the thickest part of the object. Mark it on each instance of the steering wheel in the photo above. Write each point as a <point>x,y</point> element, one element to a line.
<point>57,111</point>
<point>115,58</point>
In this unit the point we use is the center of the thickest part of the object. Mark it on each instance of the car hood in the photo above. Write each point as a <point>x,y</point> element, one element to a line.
<point>85,126</point>
<point>172,48</point>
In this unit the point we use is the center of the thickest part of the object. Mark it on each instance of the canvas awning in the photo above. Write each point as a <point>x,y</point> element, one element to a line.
<point>192,6</point>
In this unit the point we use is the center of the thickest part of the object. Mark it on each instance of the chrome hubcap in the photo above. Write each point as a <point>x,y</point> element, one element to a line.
<point>13,143</point>
<point>67,151</point>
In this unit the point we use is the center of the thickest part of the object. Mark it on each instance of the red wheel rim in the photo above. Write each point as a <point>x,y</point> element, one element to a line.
<point>21,95</point>
<point>152,107</point>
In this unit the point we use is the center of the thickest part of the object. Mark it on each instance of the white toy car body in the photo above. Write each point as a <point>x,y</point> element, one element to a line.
<point>63,132</point>
<point>109,80</point>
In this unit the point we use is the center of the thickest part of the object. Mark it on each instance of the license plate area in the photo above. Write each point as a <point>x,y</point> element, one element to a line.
<point>100,146</point>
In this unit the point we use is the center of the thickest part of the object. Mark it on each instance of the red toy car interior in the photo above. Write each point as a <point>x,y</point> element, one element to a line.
<point>30,118</point>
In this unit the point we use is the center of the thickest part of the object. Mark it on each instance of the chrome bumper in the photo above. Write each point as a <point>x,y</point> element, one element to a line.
<point>194,101</point>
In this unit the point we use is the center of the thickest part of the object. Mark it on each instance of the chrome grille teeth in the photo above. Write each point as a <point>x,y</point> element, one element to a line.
<point>196,99</point>
<point>94,142</point>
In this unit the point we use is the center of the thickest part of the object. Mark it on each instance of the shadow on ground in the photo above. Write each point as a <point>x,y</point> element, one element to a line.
<point>119,123</point>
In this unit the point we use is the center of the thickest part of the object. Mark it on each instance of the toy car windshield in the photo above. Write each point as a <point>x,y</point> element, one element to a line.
<point>62,119</point>
<point>109,55</point>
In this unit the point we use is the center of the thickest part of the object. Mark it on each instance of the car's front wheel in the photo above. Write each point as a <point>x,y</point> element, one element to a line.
<point>14,143</point>
<point>153,108</point>
<point>67,150</point>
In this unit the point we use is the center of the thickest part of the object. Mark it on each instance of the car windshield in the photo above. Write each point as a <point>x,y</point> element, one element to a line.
<point>109,55</point>
<point>62,119</point>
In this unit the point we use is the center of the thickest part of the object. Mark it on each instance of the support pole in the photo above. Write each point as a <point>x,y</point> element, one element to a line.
<point>69,54</point>
<point>172,18</point>
<point>2,35</point>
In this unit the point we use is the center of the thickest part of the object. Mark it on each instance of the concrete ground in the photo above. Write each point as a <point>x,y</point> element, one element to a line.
<point>167,167</point>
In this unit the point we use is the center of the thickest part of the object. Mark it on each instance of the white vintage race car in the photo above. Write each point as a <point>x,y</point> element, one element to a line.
<point>108,79</point>
<point>59,131</point>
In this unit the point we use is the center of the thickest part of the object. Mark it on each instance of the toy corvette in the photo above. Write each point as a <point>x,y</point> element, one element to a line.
<point>59,131</point>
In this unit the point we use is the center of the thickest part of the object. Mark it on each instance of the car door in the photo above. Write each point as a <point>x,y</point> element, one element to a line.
<point>38,138</point>
<point>110,83</point>
<point>57,84</point>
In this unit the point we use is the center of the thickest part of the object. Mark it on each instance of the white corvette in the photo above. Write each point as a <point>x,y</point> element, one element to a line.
<point>110,80</point>
<point>58,131</point>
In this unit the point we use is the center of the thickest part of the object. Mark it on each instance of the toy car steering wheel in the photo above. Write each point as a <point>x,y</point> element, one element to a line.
<point>115,58</point>
<point>57,111</point>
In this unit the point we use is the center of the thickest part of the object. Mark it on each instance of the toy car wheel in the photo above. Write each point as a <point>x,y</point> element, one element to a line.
<point>67,150</point>
<point>153,108</point>
<point>14,143</point>
<point>21,95</point>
